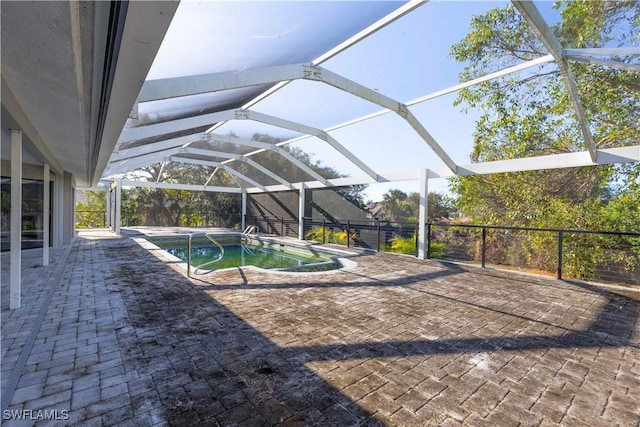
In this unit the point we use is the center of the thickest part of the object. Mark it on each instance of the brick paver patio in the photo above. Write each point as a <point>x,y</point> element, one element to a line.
<point>114,334</point>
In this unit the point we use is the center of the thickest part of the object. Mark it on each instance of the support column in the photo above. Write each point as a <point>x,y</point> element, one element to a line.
<point>244,209</point>
<point>422,217</point>
<point>108,220</point>
<point>58,211</point>
<point>117,220</point>
<point>301,202</point>
<point>16,219</point>
<point>46,206</point>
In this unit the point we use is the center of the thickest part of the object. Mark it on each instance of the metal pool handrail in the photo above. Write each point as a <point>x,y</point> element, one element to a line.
<point>248,232</point>
<point>206,263</point>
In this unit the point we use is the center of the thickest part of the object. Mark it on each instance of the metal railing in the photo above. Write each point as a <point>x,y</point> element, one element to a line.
<point>189,248</point>
<point>605,256</point>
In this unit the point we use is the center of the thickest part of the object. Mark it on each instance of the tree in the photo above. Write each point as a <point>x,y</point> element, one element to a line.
<point>91,208</point>
<point>400,206</point>
<point>531,114</point>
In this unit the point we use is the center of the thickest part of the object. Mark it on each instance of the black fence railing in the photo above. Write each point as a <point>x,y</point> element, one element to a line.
<point>605,256</point>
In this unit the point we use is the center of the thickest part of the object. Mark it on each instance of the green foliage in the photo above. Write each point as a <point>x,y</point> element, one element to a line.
<point>531,114</point>
<point>437,249</point>
<point>407,245</point>
<point>403,245</point>
<point>330,236</point>
<point>91,209</point>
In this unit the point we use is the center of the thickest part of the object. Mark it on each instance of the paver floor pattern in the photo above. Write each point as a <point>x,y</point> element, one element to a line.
<point>127,339</point>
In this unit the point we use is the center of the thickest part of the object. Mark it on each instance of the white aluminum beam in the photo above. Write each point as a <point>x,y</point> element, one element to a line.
<point>604,62</point>
<point>301,202</point>
<point>266,146</point>
<point>211,176</point>
<point>244,177</point>
<point>261,147</point>
<point>191,161</point>
<point>134,134</point>
<point>298,127</point>
<point>239,141</point>
<point>267,172</point>
<point>422,214</point>
<point>46,205</point>
<point>505,71</point>
<point>605,51</point>
<point>531,14</point>
<point>118,207</point>
<point>188,187</point>
<point>157,157</point>
<point>218,164</point>
<point>157,146</point>
<point>153,90</point>
<point>210,153</point>
<point>344,84</point>
<point>302,166</point>
<point>120,166</point>
<point>433,95</point>
<point>553,161</point>
<point>15,245</point>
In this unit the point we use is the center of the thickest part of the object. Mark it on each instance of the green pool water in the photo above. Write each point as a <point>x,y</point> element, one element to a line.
<point>239,255</point>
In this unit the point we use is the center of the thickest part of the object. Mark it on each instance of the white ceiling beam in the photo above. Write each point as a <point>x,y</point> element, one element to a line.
<point>329,77</point>
<point>157,146</point>
<point>200,162</point>
<point>516,68</point>
<point>301,165</point>
<point>605,51</point>
<point>188,187</point>
<point>267,172</point>
<point>220,165</point>
<point>605,62</point>
<point>262,146</point>
<point>531,14</point>
<point>154,90</point>
<point>239,141</point>
<point>552,161</point>
<point>211,176</point>
<point>210,153</point>
<point>122,166</point>
<point>134,134</point>
<point>298,127</point>
<point>243,177</point>
<point>506,71</point>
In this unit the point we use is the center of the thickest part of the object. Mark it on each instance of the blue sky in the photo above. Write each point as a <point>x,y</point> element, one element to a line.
<point>404,60</point>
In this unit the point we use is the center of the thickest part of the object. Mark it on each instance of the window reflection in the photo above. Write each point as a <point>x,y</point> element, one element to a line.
<point>32,213</point>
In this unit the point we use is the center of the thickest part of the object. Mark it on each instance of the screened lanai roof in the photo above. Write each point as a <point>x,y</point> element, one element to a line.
<point>367,88</point>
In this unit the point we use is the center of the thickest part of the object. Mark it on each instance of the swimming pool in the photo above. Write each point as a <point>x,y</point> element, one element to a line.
<point>259,252</point>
